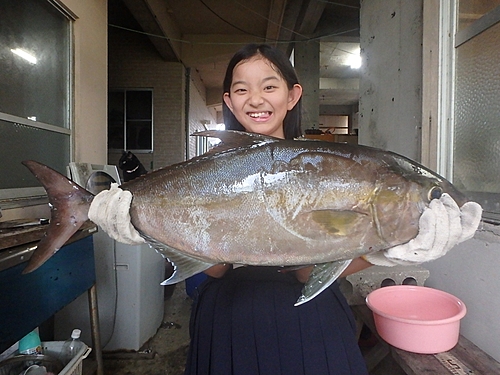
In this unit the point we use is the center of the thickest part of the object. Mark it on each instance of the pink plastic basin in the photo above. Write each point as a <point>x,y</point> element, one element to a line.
<point>416,318</point>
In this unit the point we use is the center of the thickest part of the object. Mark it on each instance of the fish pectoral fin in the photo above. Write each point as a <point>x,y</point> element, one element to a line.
<point>322,276</point>
<point>184,265</point>
<point>334,221</point>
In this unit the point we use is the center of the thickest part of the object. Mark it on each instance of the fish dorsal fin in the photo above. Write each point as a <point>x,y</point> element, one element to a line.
<point>321,277</point>
<point>233,139</point>
<point>184,265</point>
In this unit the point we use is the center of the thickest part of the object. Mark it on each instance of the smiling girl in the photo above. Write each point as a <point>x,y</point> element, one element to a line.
<point>243,319</point>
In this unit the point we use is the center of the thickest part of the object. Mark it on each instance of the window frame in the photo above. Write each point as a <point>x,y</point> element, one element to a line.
<point>124,148</point>
<point>11,198</point>
<point>440,34</point>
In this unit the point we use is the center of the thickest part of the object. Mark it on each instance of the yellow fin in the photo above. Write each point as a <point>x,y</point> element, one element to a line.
<point>335,222</point>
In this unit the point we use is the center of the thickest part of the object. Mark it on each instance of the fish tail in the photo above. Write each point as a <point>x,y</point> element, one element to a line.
<point>69,203</point>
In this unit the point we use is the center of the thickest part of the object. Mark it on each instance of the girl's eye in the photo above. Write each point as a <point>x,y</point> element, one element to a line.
<point>240,90</point>
<point>269,88</point>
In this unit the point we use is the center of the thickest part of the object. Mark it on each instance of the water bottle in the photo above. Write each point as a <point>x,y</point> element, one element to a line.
<point>71,347</point>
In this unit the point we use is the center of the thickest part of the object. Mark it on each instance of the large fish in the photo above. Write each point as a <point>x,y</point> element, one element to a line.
<point>258,200</point>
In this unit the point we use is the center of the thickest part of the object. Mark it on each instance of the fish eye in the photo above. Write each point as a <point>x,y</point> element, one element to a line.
<point>435,193</point>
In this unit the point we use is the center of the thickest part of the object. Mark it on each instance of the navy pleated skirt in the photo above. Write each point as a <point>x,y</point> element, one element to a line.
<point>246,324</point>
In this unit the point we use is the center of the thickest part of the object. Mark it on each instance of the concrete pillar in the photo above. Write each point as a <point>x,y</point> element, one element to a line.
<point>390,102</point>
<point>306,59</point>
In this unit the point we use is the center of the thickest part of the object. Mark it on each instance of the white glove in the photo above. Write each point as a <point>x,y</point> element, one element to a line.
<point>442,225</point>
<point>110,210</point>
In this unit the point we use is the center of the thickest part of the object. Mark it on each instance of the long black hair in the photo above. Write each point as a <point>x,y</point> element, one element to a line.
<point>292,120</point>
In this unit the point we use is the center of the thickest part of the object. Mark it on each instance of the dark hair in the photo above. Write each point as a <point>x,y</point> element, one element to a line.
<point>292,120</point>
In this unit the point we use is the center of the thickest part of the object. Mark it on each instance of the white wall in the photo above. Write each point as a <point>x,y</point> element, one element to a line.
<point>391,38</point>
<point>470,271</point>
<point>90,79</point>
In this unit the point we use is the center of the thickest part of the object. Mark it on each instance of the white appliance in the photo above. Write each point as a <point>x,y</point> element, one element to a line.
<point>129,295</point>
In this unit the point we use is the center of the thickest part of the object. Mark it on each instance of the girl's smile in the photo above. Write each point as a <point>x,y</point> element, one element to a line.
<point>260,98</point>
<point>260,116</point>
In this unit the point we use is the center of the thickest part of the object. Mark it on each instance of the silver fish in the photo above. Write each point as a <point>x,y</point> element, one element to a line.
<point>258,200</point>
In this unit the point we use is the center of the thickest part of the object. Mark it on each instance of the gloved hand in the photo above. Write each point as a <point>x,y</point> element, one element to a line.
<point>110,210</point>
<point>442,225</point>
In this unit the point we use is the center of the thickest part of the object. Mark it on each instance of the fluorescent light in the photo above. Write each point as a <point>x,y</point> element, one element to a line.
<point>355,60</point>
<point>25,55</point>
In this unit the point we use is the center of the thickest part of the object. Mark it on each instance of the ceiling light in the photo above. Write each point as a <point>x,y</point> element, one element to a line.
<point>25,55</point>
<point>354,60</point>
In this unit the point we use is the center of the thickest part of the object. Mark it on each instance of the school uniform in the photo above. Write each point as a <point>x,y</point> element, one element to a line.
<point>245,323</point>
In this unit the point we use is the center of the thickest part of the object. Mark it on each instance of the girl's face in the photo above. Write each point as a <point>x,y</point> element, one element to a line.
<point>259,97</point>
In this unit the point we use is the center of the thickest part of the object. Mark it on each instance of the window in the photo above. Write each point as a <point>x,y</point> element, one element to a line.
<point>202,145</point>
<point>35,95</point>
<point>476,109</point>
<point>334,124</point>
<point>130,120</point>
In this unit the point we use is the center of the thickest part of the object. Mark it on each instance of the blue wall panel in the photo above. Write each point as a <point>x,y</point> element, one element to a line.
<point>26,301</point>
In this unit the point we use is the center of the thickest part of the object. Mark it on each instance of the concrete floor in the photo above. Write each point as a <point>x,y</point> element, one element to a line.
<point>165,353</point>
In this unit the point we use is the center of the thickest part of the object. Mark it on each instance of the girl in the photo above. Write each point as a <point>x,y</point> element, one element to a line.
<point>244,320</point>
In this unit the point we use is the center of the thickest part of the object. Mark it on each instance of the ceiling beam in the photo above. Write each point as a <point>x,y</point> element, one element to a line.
<point>287,29</point>
<point>275,20</point>
<point>154,19</point>
<point>312,14</point>
<point>300,19</point>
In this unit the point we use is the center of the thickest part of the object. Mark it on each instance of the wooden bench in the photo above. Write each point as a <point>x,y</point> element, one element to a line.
<point>464,358</point>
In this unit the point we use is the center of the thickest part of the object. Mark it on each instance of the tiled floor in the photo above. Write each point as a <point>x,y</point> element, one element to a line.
<point>165,353</point>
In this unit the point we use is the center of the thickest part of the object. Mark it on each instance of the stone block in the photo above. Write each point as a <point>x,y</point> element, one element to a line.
<point>357,286</point>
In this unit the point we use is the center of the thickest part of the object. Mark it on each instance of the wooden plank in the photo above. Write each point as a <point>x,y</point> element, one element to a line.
<point>417,364</point>
<point>15,255</point>
<point>20,236</point>
<point>465,351</point>
<point>474,357</point>
<point>376,354</point>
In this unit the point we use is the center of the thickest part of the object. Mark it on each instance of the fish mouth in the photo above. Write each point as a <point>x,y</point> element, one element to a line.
<point>260,116</point>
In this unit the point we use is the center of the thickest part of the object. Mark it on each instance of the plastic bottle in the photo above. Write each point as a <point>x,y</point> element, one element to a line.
<point>30,344</point>
<point>71,347</point>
